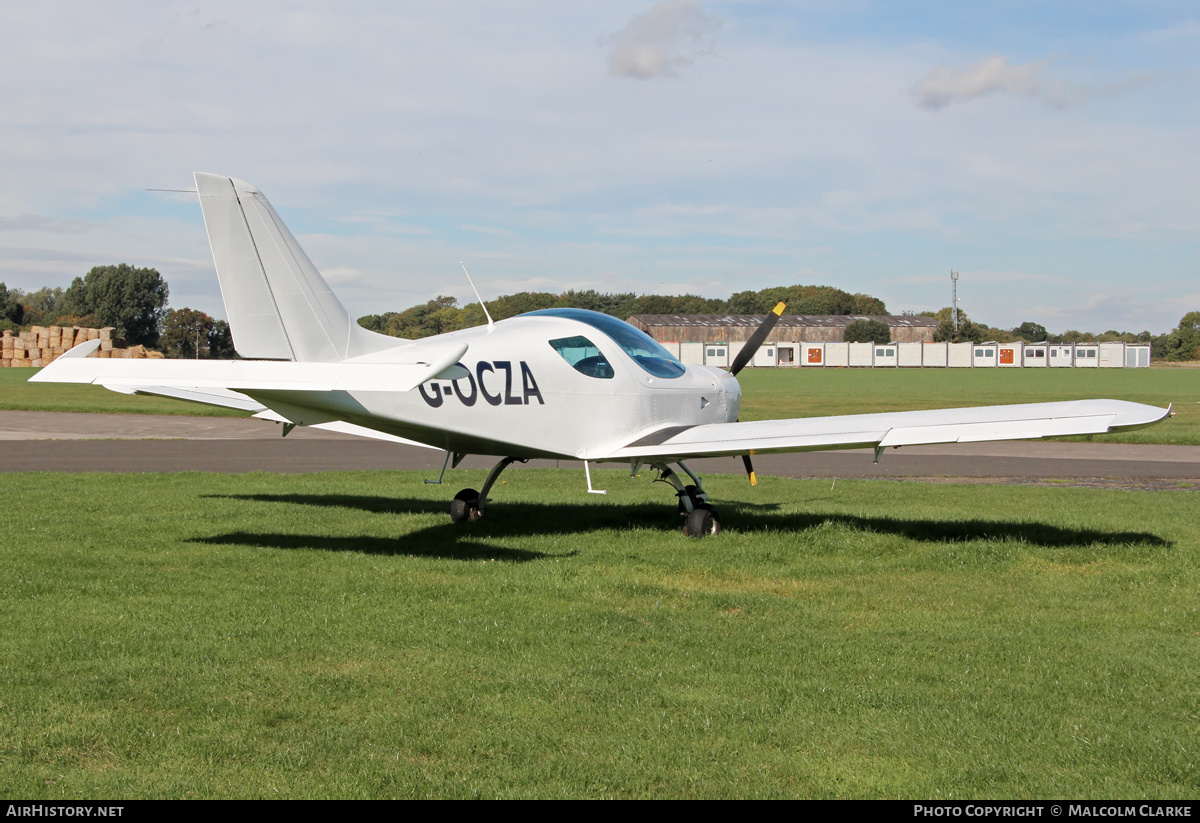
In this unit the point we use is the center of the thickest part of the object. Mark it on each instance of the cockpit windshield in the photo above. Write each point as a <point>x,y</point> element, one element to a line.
<point>641,347</point>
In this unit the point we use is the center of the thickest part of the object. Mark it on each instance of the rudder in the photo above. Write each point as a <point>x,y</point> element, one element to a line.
<point>278,304</point>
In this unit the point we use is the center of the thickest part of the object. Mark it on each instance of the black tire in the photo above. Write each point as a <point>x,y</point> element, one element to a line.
<point>465,506</point>
<point>703,521</point>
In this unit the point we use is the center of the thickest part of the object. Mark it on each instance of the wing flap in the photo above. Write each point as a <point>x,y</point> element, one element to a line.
<point>342,427</point>
<point>210,397</point>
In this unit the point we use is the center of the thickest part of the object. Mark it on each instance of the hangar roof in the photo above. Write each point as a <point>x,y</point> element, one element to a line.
<point>796,320</point>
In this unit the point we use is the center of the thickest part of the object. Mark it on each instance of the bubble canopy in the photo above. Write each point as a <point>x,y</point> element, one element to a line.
<point>641,347</point>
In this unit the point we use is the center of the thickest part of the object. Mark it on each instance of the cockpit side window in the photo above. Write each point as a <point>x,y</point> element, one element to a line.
<point>583,356</point>
<point>643,349</point>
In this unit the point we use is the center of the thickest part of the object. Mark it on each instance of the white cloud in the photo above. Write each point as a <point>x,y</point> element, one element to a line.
<point>1177,307</point>
<point>340,274</point>
<point>384,225</point>
<point>944,86</point>
<point>672,34</point>
<point>1122,86</point>
<point>496,255</point>
<point>492,230</point>
<point>41,223</point>
<point>1189,29</point>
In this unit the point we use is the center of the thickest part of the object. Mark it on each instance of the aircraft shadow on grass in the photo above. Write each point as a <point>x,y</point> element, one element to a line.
<point>469,541</point>
<point>451,545</point>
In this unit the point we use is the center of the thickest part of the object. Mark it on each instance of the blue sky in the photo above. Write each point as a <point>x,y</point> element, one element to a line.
<point>1049,152</point>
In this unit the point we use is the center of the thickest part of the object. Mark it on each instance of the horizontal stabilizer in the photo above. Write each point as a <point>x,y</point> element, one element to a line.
<point>201,376</point>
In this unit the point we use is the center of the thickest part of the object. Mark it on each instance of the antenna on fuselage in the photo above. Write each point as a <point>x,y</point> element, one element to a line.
<point>482,305</point>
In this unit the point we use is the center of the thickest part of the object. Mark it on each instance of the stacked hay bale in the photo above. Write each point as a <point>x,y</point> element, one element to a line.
<point>42,345</point>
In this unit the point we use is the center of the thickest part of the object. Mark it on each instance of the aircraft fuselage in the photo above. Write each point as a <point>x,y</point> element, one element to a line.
<point>514,394</point>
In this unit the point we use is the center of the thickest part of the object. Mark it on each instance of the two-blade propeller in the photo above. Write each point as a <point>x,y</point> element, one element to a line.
<point>746,355</point>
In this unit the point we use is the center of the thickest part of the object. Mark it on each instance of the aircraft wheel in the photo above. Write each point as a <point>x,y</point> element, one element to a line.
<point>465,506</point>
<point>703,521</point>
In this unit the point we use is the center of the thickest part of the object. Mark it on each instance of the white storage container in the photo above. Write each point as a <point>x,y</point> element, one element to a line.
<point>837,354</point>
<point>1008,355</point>
<point>910,355</point>
<point>1087,356</point>
<point>766,356</point>
<point>1035,355</point>
<point>1060,355</point>
<point>812,354</point>
<point>692,353</point>
<point>1137,357</point>
<point>959,355</point>
<point>984,355</point>
<point>716,354</point>
<point>862,354</point>
<point>933,355</point>
<point>1112,355</point>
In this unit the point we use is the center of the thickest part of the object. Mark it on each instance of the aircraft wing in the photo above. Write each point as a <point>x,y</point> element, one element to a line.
<point>1029,421</point>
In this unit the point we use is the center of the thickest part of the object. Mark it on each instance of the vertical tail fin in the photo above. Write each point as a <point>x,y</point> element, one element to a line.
<point>279,306</point>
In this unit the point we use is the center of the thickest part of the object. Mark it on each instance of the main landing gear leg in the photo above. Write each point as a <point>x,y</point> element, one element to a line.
<point>469,504</point>
<point>702,519</point>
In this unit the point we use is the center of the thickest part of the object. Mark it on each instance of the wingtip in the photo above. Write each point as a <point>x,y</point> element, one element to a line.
<point>1138,416</point>
<point>49,373</point>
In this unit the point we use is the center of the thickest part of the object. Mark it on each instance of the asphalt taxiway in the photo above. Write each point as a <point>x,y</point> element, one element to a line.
<point>69,442</point>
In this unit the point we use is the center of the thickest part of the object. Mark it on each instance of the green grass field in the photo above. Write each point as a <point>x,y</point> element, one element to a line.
<point>17,394</point>
<point>776,393</point>
<point>333,635</point>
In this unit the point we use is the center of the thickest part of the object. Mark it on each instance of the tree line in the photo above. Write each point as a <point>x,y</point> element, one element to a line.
<point>131,300</point>
<point>134,302</point>
<point>443,314</point>
<point>1181,343</point>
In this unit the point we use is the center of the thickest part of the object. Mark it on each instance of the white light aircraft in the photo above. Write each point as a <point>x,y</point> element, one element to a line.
<point>557,383</point>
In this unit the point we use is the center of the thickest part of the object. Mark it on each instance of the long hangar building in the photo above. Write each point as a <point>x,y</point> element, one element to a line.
<point>715,339</point>
<point>820,340</point>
